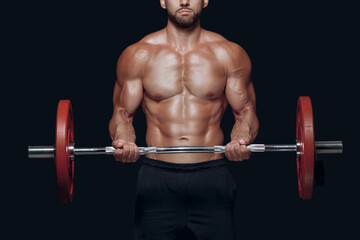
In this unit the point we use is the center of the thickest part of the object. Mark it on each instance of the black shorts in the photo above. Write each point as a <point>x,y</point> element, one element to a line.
<point>197,198</point>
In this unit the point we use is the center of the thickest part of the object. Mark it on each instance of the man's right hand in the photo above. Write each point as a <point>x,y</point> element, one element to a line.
<point>125,151</point>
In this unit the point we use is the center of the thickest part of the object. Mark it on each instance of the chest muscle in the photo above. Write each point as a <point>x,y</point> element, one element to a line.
<point>196,73</point>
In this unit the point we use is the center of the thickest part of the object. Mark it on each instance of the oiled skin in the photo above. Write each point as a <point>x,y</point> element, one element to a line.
<point>184,90</point>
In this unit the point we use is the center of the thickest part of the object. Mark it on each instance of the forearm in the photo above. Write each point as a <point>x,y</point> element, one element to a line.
<point>246,126</point>
<point>121,126</point>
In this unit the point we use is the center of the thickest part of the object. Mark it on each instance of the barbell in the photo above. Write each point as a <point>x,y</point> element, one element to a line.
<point>305,146</point>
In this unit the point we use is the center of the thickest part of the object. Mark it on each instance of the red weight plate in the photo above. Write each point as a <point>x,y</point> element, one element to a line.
<point>306,155</point>
<point>63,143</point>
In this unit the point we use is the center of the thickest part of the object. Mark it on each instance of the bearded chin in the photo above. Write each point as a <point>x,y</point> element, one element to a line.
<point>184,21</point>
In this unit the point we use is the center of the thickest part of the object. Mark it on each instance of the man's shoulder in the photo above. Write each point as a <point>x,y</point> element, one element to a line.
<point>144,48</point>
<point>231,54</point>
<point>150,41</point>
<point>221,44</point>
<point>155,38</point>
<point>137,50</point>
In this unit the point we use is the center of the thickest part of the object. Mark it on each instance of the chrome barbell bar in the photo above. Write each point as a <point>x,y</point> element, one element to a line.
<point>321,147</point>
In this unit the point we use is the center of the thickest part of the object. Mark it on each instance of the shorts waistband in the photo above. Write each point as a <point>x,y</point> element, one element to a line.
<point>184,167</point>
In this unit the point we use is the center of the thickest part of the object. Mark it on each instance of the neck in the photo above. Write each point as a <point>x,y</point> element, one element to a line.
<point>183,39</point>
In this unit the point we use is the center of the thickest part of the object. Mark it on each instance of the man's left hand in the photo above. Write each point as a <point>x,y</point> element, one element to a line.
<point>236,150</point>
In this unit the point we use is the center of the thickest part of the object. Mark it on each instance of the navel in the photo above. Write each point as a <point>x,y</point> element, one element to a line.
<point>184,138</point>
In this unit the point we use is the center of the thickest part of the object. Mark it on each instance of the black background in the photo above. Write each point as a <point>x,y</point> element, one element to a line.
<point>68,50</point>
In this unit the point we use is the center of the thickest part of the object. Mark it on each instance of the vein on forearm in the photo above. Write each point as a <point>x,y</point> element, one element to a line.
<point>122,124</point>
<point>246,124</point>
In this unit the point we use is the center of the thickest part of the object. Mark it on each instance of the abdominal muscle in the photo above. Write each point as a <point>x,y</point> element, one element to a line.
<point>184,120</point>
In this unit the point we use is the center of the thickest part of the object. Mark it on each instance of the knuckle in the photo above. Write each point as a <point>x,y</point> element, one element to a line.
<point>232,148</point>
<point>118,155</point>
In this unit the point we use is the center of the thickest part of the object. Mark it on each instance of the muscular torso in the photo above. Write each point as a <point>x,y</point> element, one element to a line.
<point>184,100</point>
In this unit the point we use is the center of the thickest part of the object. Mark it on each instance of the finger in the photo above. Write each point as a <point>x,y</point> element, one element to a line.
<point>137,153</point>
<point>240,152</point>
<point>244,141</point>
<point>248,153</point>
<point>126,152</point>
<point>118,155</point>
<point>227,150</point>
<point>114,144</point>
<point>121,143</point>
<point>131,152</point>
<point>118,143</point>
<point>245,152</point>
<point>232,150</point>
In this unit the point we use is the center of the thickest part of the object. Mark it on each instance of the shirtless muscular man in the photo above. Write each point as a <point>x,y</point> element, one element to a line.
<point>184,77</point>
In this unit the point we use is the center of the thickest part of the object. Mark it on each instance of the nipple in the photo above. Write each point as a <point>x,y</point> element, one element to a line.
<point>158,96</point>
<point>209,94</point>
